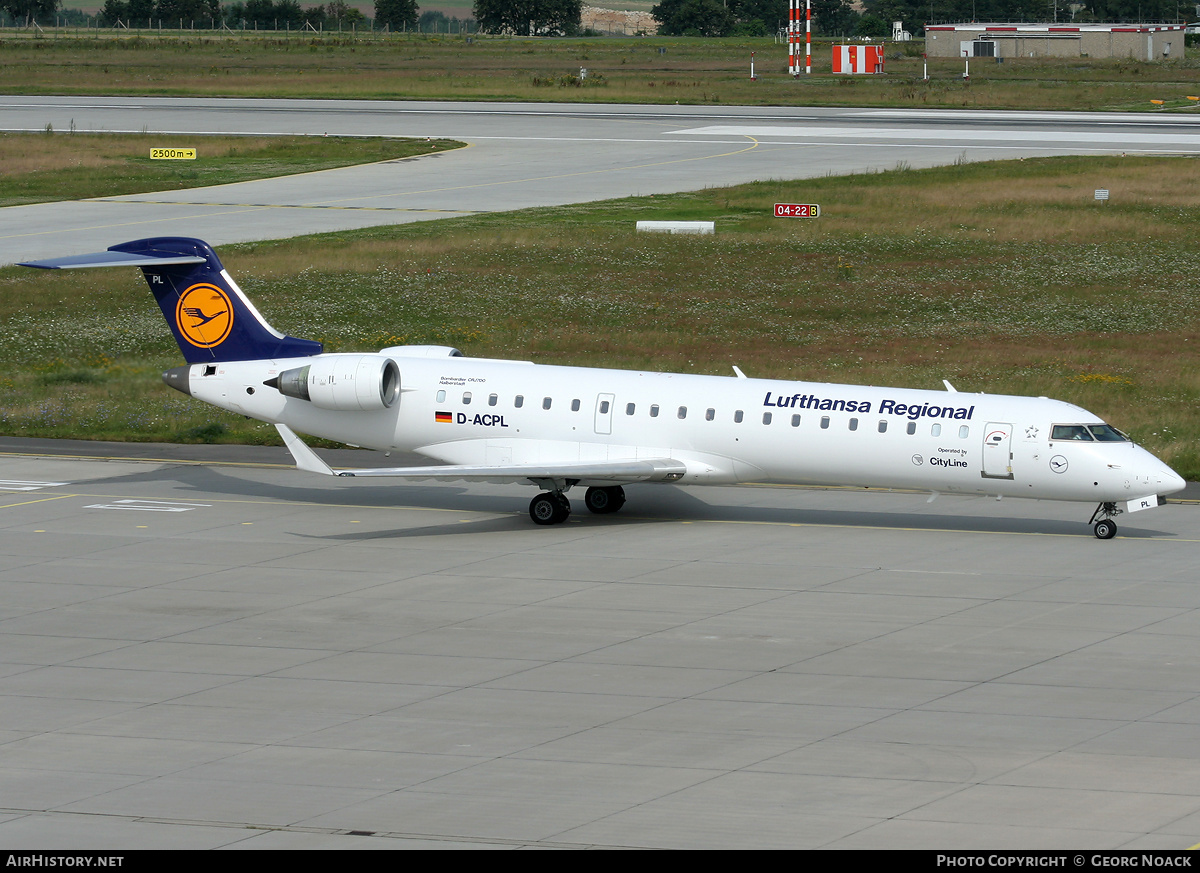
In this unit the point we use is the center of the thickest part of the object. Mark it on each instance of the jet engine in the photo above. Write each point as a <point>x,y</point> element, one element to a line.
<point>343,382</point>
<point>421,352</point>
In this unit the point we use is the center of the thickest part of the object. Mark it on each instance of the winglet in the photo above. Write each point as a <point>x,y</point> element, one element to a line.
<point>306,459</point>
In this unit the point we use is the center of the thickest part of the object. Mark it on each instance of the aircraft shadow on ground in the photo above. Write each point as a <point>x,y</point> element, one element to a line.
<point>647,504</point>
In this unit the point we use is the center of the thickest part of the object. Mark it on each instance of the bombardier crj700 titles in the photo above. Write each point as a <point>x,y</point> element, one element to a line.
<point>561,427</point>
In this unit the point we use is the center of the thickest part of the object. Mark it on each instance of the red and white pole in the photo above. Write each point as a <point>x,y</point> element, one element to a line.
<point>808,37</point>
<point>793,32</point>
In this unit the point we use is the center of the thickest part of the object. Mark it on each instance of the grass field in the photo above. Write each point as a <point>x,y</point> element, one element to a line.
<point>1003,277</point>
<point>651,70</point>
<point>45,167</point>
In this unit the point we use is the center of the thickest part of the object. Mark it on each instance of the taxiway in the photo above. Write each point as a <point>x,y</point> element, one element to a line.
<point>224,652</point>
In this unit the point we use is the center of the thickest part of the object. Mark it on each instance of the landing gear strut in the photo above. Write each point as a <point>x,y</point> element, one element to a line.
<point>604,500</point>
<point>550,507</point>
<point>1102,521</point>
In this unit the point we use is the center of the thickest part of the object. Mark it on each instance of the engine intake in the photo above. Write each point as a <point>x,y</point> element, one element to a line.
<point>343,382</point>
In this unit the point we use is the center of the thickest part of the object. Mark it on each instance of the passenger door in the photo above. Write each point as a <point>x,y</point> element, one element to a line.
<point>997,451</point>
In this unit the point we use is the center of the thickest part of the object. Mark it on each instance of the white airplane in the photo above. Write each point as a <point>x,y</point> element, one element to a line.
<point>558,428</point>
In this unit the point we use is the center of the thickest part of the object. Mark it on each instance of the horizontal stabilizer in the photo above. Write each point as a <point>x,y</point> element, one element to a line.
<point>648,470</point>
<point>112,259</point>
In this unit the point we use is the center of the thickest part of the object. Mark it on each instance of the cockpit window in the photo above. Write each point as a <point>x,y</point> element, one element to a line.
<point>1070,432</point>
<point>1107,434</point>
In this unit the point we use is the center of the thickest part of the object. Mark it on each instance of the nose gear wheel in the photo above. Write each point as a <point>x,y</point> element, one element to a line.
<point>1102,522</point>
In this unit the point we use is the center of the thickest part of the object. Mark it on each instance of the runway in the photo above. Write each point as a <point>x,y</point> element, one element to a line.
<point>224,652</point>
<point>524,155</point>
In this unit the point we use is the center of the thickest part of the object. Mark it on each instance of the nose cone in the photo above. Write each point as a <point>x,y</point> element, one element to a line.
<point>1171,481</point>
<point>1146,474</point>
<point>1155,473</point>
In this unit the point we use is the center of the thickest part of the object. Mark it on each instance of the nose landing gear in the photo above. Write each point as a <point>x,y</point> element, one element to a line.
<point>1102,521</point>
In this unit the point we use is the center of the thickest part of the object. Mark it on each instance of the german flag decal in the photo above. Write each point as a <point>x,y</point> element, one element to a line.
<point>444,417</point>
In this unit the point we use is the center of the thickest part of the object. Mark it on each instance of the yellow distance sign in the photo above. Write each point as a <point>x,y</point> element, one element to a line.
<point>172,154</point>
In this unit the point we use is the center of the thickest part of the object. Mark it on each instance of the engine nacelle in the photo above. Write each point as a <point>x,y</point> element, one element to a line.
<point>344,382</point>
<point>421,352</point>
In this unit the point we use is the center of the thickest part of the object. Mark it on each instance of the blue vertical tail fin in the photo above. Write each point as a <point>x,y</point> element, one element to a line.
<point>211,318</point>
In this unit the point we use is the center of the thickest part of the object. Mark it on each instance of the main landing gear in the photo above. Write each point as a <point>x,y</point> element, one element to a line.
<point>604,500</point>
<point>552,507</point>
<point>1102,521</point>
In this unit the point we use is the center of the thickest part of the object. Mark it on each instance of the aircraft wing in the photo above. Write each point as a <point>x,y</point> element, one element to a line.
<point>641,470</point>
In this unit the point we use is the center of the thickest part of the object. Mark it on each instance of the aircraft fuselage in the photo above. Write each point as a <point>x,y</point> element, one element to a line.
<point>726,430</point>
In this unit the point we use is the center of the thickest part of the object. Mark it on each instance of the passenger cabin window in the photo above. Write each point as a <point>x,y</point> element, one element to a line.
<point>824,422</point>
<point>682,412</point>
<point>1070,432</point>
<point>519,401</point>
<point>912,428</point>
<point>710,414</point>
<point>936,430</point>
<point>795,421</point>
<point>493,399</point>
<point>604,407</point>
<point>738,415</point>
<point>854,424</point>
<point>883,425</point>
<point>575,405</point>
<point>546,402</point>
<point>766,418</point>
<point>630,408</point>
<point>466,398</point>
<point>441,396</point>
<point>964,432</point>
<point>654,410</point>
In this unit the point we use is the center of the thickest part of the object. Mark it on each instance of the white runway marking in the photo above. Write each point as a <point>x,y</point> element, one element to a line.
<point>150,505</point>
<point>985,135</point>
<point>21,485</point>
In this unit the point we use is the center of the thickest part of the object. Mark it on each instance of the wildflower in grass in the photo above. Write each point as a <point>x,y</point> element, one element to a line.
<point>1100,378</point>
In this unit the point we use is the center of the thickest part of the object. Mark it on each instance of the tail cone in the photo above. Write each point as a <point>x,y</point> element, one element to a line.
<point>179,378</point>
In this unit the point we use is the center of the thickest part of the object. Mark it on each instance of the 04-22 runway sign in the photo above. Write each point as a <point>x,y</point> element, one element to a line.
<point>797,210</point>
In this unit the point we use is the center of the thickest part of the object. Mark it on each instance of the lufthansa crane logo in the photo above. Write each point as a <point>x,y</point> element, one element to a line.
<point>204,315</point>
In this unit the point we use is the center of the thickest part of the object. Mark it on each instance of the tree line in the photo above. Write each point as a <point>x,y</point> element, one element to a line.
<point>562,17</point>
<point>839,18</point>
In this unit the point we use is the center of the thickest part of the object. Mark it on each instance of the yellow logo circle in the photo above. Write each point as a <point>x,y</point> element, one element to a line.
<point>204,315</point>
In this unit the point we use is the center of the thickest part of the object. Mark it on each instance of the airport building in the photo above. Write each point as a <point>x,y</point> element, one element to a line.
<point>1144,42</point>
